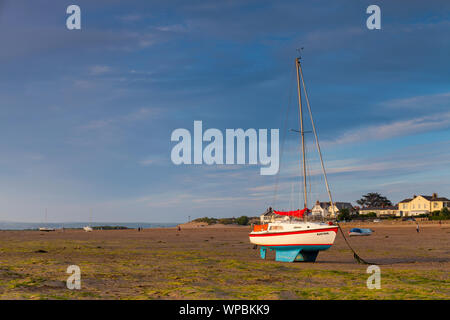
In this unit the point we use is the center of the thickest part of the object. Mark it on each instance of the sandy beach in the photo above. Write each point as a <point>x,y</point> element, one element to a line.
<point>220,263</point>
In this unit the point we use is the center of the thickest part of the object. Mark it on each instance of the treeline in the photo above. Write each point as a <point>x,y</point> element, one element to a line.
<point>109,228</point>
<point>242,220</point>
<point>443,214</point>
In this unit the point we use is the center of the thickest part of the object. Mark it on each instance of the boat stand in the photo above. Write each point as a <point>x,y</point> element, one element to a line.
<point>291,254</point>
<point>263,252</point>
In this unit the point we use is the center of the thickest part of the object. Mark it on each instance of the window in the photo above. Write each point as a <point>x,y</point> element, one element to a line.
<point>435,204</point>
<point>404,206</point>
<point>418,206</point>
<point>276,228</point>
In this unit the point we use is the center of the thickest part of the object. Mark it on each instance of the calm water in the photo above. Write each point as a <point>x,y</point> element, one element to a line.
<point>58,225</point>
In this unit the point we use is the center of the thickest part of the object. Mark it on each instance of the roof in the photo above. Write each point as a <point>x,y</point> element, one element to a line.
<point>431,198</point>
<point>339,205</point>
<point>268,211</point>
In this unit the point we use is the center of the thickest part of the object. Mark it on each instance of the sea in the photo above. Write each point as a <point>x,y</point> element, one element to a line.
<point>4,225</point>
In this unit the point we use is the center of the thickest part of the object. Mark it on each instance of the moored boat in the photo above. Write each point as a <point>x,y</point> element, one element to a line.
<point>360,232</point>
<point>46,229</point>
<point>295,238</point>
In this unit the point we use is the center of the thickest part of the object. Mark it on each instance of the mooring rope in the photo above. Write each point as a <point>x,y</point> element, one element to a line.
<point>355,255</point>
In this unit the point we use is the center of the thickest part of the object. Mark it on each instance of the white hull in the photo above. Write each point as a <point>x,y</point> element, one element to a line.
<point>295,234</point>
<point>46,229</point>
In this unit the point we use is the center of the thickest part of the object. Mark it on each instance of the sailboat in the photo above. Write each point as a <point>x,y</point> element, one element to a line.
<point>88,228</point>
<point>46,229</point>
<point>297,239</point>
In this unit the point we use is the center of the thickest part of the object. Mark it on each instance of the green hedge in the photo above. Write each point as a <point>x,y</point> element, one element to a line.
<point>242,220</point>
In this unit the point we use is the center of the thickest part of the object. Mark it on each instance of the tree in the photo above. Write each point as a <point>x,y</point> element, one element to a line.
<point>226,221</point>
<point>243,221</point>
<point>374,199</point>
<point>207,220</point>
<point>344,214</point>
<point>369,215</point>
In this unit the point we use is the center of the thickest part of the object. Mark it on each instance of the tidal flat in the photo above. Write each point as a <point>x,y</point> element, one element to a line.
<point>220,263</point>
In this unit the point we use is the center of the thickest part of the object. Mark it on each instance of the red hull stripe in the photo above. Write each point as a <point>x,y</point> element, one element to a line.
<point>293,232</point>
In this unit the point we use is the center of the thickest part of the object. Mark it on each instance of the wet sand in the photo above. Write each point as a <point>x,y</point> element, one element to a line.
<point>220,263</point>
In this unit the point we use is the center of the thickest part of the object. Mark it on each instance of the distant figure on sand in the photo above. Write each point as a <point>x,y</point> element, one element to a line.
<point>179,228</point>
<point>417,228</point>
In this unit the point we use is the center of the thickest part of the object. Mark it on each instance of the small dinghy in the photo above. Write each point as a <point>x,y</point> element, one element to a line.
<point>360,232</point>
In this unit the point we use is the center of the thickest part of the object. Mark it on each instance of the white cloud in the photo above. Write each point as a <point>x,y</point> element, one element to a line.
<point>84,84</point>
<point>154,160</point>
<point>402,161</point>
<point>173,28</point>
<point>36,157</point>
<point>147,162</point>
<point>173,199</point>
<point>421,102</point>
<point>98,69</point>
<point>394,129</point>
<point>141,114</point>
<point>131,17</point>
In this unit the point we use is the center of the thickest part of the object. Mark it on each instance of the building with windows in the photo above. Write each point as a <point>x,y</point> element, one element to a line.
<point>324,209</point>
<point>270,216</point>
<point>422,204</point>
<point>380,211</point>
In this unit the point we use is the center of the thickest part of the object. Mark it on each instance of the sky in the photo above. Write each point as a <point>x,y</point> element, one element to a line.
<point>86,115</point>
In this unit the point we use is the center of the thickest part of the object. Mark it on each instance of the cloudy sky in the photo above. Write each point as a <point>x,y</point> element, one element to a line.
<point>86,115</point>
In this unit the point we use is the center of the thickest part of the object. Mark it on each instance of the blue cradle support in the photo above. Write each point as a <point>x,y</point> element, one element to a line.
<point>262,252</point>
<point>287,255</point>
<point>294,253</point>
<point>307,256</point>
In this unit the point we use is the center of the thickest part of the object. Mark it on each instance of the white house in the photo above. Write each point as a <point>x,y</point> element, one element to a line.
<point>270,216</point>
<point>324,209</point>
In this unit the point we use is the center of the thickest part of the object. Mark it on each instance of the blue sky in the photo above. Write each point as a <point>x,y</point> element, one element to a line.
<point>86,115</point>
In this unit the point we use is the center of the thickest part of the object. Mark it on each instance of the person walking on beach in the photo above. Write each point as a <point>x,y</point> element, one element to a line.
<point>417,228</point>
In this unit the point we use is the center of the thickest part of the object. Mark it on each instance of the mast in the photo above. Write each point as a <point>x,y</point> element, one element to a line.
<point>302,132</point>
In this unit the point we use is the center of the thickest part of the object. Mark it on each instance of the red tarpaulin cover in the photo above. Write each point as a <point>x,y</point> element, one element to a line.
<point>295,213</point>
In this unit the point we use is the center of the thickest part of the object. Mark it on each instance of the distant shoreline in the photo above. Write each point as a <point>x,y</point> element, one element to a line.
<point>31,226</point>
<point>19,226</point>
